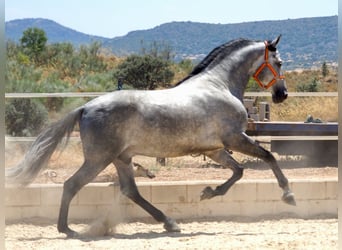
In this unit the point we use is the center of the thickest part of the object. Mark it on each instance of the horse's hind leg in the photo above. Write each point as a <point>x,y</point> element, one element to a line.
<point>244,144</point>
<point>83,176</point>
<point>224,158</point>
<point>129,188</point>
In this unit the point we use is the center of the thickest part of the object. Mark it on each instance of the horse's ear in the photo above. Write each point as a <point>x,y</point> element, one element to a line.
<point>275,42</point>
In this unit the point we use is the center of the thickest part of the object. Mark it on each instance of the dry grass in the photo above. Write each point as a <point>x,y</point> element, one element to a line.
<point>326,84</point>
<point>298,108</point>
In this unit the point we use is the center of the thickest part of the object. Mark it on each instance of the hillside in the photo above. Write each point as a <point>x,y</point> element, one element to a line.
<point>304,44</point>
<point>55,32</point>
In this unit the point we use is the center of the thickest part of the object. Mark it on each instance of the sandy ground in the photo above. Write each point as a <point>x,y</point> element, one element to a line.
<point>241,233</point>
<point>237,233</point>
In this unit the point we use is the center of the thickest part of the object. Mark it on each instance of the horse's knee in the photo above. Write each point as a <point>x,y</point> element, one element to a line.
<point>129,192</point>
<point>126,192</point>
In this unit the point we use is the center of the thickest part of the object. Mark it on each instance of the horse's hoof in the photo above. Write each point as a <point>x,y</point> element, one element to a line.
<point>171,226</point>
<point>71,233</point>
<point>207,193</point>
<point>288,198</point>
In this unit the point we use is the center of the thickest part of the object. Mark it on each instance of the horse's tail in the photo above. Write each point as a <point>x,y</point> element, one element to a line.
<point>41,150</point>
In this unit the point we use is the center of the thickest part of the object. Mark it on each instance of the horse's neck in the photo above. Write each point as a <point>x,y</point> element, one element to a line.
<point>235,71</point>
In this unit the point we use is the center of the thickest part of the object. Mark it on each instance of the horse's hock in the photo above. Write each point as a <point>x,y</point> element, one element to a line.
<point>181,200</point>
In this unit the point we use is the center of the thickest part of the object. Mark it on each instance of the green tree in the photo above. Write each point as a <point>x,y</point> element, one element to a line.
<point>33,43</point>
<point>145,72</point>
<point>325,70</point>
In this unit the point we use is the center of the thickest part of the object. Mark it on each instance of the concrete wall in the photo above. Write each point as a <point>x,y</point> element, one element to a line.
<point>179,200</point>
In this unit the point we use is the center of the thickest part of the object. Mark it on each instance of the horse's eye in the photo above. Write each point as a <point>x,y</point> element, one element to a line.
<point>279,63</point>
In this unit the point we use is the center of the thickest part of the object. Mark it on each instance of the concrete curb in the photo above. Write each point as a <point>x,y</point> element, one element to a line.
<point>180,200</point>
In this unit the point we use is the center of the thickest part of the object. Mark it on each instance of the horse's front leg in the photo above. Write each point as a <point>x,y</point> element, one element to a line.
<point>244,144</point>
<point>224,158</point>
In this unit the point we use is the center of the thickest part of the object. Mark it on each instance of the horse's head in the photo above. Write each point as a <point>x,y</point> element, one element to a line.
<point>269,75</point>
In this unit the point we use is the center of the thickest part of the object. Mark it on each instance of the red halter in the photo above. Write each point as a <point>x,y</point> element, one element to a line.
<point>264,65</point>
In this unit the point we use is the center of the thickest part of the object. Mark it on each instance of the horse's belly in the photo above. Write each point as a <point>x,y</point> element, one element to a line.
<point>173,145</point>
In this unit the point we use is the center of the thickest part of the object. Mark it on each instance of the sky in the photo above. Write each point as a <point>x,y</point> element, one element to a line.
<point>112,18</point>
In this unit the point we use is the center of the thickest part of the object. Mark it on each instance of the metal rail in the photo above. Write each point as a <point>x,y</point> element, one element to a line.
<point>292,129</point>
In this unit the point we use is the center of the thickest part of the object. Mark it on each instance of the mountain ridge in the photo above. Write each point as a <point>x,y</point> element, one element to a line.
<point>55,32</point>
<point>306,42</point>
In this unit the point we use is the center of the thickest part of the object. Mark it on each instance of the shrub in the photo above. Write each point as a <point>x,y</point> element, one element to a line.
<point>313,86</point>
<point>24,117</point>
<point>52,84</point>
<point>97,82</point>
<point>145,72</point>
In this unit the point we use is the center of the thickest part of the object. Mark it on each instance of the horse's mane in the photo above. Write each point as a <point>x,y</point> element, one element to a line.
<point>217,54</point>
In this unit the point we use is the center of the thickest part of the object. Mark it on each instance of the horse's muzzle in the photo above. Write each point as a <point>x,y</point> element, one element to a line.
<point>279,96</point>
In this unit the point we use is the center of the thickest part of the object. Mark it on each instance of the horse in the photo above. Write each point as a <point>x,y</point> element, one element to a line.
<point>202,114</point>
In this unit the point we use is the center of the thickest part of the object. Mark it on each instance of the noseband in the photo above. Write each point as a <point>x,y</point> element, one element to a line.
<point>264,65</point>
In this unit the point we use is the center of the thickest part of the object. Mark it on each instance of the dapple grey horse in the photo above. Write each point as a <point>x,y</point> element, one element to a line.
<point>203,114</point>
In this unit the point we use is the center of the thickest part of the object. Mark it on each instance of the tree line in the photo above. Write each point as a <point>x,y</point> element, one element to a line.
<point>34,65</point>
